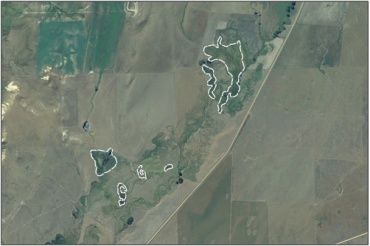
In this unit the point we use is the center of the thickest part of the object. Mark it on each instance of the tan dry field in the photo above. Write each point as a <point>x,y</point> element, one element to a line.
<point>194,23</point>
<point>34,191</point>
<point>204,219</point>
<point>324,13</point>
<point>146,45</point>
<point>303,118</point>
<point>168,234</point>
<point>190,88</point>
<point>105,235</point>
<point>145,117</point>
<point>249,223</point>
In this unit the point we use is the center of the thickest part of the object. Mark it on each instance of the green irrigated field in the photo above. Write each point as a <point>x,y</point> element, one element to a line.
<point>61,46</point>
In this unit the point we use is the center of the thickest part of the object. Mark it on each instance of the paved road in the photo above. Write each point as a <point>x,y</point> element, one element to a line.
<point>241,125</point>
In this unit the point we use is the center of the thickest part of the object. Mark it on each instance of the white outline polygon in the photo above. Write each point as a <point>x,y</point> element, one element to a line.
<point>219,40</point>
<point>141,174</point>
<point>119,186</point>
<point>165,170</point>
<point>96,168</point>
<point>210,78</point>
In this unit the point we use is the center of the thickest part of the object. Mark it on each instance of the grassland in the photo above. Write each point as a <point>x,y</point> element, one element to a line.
<point>205,218</point>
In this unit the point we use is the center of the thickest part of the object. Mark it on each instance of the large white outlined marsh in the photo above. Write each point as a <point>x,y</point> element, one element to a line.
<point>108,158</point>
<point>225,95</point>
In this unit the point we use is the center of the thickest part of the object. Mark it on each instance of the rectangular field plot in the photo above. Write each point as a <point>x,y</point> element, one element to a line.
<point>62,46</point>
<point>249,223</point>
<point>205,217</point>
<point>321,47</point>
<point>291,224</point>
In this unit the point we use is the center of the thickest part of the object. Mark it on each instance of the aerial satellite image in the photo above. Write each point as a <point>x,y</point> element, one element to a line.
<point>184,123</point>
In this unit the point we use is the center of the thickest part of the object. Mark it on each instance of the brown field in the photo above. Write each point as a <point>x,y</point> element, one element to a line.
<point>305,139</point>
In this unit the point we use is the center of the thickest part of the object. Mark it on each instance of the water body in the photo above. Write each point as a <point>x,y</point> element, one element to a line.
<point>105,31</point>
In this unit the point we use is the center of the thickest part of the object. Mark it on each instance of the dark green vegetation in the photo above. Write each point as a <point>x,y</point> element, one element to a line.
<point>212,80</point>
<point>247,85</point>
<point>9,10</point>
<point>103,161</point>
<point>283,10</point>
<point>61,46</point>
<point>191,167</point>
<point>204,218</point>
<point>246,29</point>
<point>230,55</point>
<point>105,31</point>
<point>59,239</point>
<point>130,221</point>
<point>91,235</point>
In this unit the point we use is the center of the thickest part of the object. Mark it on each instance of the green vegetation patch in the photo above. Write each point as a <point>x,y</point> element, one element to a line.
<point>231,35</point>
<point>277,15</point>
<point>105,30</point>
<point>231,55</point>
<point>247,85</point>
<point>61,46</point>
<point>59,239</point>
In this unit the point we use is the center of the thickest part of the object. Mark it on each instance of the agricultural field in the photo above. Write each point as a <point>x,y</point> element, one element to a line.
<point>112,131</point>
